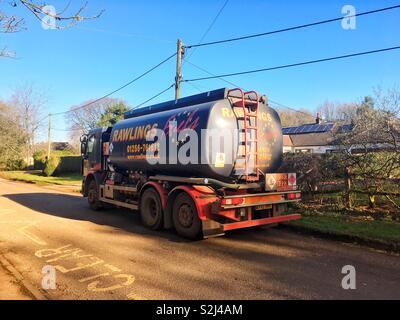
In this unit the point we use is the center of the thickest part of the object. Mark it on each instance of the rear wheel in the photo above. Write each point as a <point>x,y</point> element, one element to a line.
<point>93,196</point>
<point>185,217</point>
<point>151,210</point>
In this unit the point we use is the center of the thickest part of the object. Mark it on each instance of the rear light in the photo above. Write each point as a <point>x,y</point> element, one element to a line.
<point>232,201</point>
<point>291,196</point>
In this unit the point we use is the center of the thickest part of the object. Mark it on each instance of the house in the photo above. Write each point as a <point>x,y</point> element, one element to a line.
<point>287,144</point>
<point>311,138</point>
<point>60,146</point>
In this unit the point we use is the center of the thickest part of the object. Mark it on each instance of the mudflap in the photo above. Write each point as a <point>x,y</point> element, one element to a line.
<point>212,228</point>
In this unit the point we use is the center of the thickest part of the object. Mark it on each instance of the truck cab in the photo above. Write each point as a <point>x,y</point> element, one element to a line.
<point>93,156</point>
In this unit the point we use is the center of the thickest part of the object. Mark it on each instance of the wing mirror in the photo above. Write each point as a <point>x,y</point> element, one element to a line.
<point>83,146</point>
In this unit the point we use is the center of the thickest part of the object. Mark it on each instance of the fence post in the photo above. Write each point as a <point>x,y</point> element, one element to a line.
<point>347,186</point>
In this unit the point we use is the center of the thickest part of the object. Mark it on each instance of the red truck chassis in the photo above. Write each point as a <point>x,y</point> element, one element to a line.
<point>219,207</point>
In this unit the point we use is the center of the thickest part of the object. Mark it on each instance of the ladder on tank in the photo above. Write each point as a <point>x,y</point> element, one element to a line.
<point>249,118</point>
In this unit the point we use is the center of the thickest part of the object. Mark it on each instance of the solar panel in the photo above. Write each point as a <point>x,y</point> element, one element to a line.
<point>309,128</point>
<point>318,128</point>
<point>346,128</point>
<point>291,130</point>
<point>304,129</point>
<point>314,128</point>
<point>287,130</point>
<point>322,128</point>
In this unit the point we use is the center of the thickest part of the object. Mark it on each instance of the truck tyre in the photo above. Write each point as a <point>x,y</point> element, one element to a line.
<point>93,196</point>
<point>151,210</point>
<point>185,217</point>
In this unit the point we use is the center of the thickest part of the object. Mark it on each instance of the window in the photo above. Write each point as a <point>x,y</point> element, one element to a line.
<point>90,145</point>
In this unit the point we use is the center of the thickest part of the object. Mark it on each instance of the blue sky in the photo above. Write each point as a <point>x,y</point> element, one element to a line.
<point>90,60</point>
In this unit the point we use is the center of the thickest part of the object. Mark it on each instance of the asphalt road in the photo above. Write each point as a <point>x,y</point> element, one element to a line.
<point>109,255</point>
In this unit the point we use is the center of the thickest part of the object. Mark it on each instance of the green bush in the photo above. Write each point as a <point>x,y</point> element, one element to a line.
<point>63,153</point>
<point>14,165</point>
<point>51,166</point>
<point>40,155</point>
<point>40,158</point>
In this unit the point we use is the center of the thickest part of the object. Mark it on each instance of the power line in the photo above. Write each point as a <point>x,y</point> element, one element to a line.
<point>44,118</point>
<point>293,64</point>
<point>278,104</point>
<point>68,130</point>
<point>197,87</point>
<point>238,86</point>
<point>212,74</point>
<point>291,28</point>
<point>125,34</point>
<point>138,106</point>
<point>210,27</point>
<point>120,88</point>
<point>203,37</point>
<point>153,97</point>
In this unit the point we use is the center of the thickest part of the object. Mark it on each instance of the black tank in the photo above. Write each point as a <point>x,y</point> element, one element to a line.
<point>218,157</point>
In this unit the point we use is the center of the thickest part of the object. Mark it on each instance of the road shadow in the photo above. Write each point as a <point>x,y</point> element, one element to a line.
<point>76,208</point>
<point>248,263</point>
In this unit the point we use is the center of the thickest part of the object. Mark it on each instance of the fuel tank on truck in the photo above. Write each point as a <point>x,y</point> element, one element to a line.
<point>197,136</point>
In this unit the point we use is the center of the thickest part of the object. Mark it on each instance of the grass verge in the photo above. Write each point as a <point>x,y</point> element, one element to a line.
<point>377,234</point>
<point>37,177</point>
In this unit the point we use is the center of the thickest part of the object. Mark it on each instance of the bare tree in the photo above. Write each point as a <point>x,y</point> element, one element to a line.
<point>346,112</point>
<point>292,118</point>
<point>372,148</point>
<point>82,119</point>
<point>27,103</point>
<point>12,138</point>
<point>10,23</point>
<point>48,15</point>
<point>343,112</point>
<point>328,111</point>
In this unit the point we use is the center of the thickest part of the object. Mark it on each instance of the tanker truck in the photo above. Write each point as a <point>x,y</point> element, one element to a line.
<point>203,164</point>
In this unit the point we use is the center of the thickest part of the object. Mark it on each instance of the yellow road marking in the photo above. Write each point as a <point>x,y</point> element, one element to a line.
<point>96,283</point>
<point>23,230</point>
<point>94,277</point>
<point>80,266</point>
<point>112,268</point>
<point>93,286</point>
<point>134,296</point>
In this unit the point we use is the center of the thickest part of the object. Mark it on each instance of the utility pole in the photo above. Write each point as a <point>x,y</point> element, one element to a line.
<point>49,139</point>
<point>178,77</point>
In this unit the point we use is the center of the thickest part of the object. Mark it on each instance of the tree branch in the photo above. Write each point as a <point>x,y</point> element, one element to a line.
<point>41,12</point>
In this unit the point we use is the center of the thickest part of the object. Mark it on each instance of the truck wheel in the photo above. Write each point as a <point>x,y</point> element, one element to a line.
<point>151,210</point>
<point>186,220</point>
<point>93,196</point>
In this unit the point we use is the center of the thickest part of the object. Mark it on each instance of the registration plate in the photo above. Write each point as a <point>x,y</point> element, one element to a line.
<point>264,207</point>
